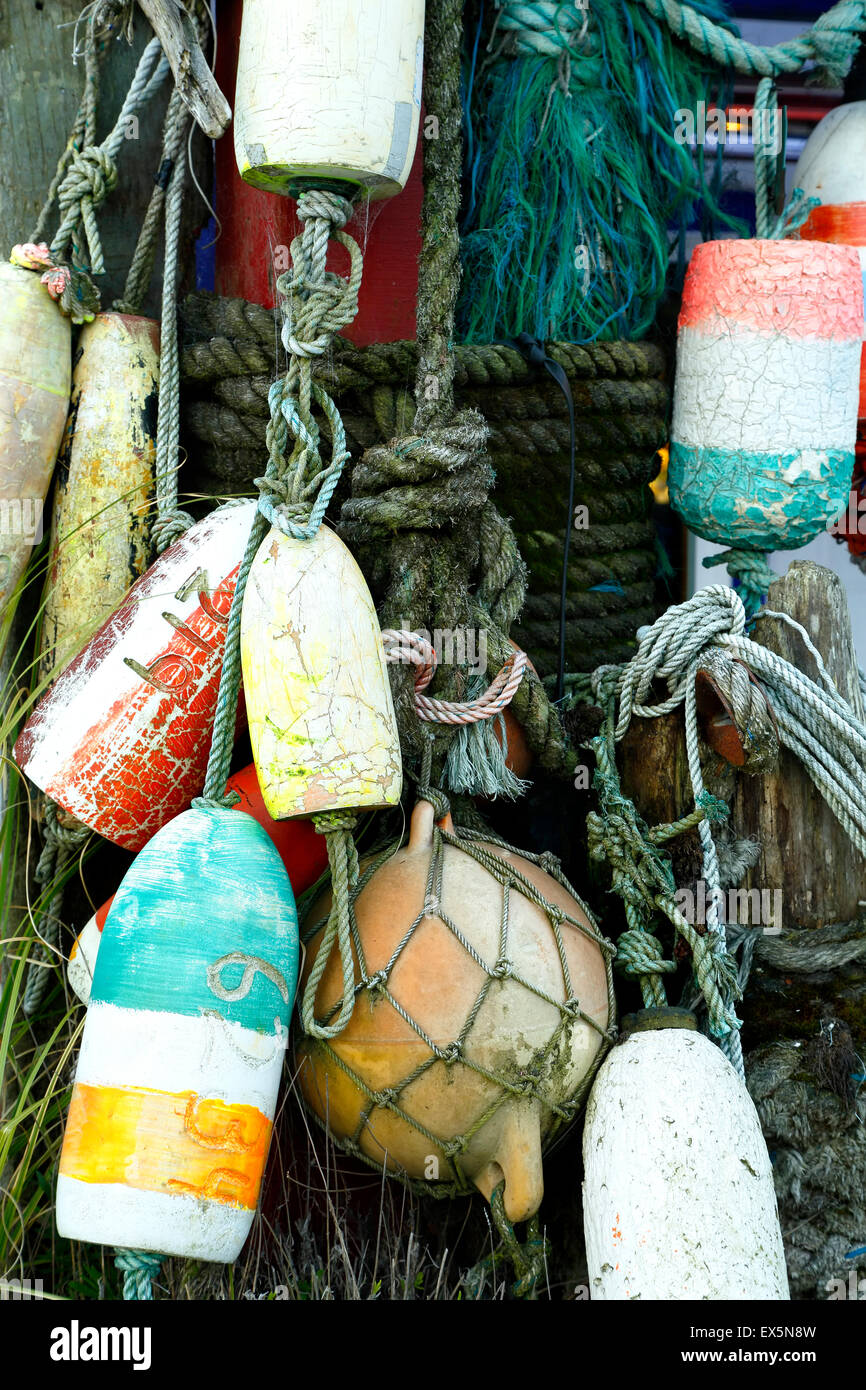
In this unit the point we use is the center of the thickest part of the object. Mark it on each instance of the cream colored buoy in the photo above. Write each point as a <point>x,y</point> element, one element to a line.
<point>319,706</point>
<point>35,375</point>
<point>329,89</point>
<point>427,1099</point>
<point>105,481</point>
<point>678,1192</point>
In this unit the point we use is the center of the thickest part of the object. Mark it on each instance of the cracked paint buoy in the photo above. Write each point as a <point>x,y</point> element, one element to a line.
<point>35,379</point>
<point>832,167</point>
<point>678,1195</point>
<point>330,90</point>
<point>766,393</point>
<point>303,851</point>
<point>105,482</point>
<point>318,700</point>
<point>176,1086</point>
<point>436,980</point>
<point>121,739</point>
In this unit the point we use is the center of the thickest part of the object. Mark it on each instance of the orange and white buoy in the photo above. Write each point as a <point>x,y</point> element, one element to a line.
<point>35,378</point>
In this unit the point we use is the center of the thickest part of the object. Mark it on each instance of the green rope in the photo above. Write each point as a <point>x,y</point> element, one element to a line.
<point>831,43</point>
<point>140,1269</point>
<point>337,827</point>
<point>750,570</point>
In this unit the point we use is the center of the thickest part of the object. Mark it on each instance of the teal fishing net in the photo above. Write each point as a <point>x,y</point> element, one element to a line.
<point>575,183</point>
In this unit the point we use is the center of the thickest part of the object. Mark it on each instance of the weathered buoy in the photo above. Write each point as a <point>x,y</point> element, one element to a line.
<point>678,1195</point>
<point>331,90</point>
<point>437,1110</point>
<point>176,1085</point>
<point>35,376</point>
<point>84,950</point>
<point>765,404</point>
<point>121,739</point>
<point>832,167</point>
<point>303,851</point>
<point>105,482</point>
<point>318,701</point>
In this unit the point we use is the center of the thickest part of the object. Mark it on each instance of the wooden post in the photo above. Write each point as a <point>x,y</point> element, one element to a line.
<point>804,850</point>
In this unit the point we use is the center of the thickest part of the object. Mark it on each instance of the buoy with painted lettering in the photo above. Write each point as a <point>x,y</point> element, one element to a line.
<point>329,90</point>
<point>105,482</point>
<point>35,379</point>
<point>767,384</point>
<point>121,739</point>
<point>319,708</point>
<point>492,1066</point>
<point>303,852</point>
<point>176,1086</point>
<point>678,1195</point>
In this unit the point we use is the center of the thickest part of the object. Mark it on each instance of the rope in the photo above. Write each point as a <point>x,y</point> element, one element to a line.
<point>337,826</point>
<point>60,845</point>
<point>410,647</point>
<point>140,1269</point>
<point>831,43</point>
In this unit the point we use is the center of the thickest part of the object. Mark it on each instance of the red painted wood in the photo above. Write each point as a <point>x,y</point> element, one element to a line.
<point>255,224</point>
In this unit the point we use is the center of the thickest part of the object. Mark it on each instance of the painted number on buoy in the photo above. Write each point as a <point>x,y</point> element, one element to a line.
<point>176,661</point>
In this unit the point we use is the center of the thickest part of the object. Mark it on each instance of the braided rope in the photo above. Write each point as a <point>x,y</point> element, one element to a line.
<point>402,646</point>
<point>140,1268</point>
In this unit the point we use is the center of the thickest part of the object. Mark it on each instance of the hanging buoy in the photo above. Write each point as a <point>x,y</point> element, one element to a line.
<point>303,851</point>
<point>35,376</point>
<point>121,739</point>
<point>176,1086</point>
<point>678,1195</point>
<point>318,701</point>
<point>329,91</point>
<point>432,1100</point>
<point>832,167</point>
<point>105,481</point>
<point>765,402</point>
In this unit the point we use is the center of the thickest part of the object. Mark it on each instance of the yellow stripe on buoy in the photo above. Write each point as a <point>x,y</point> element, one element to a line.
<point>164,1141</point>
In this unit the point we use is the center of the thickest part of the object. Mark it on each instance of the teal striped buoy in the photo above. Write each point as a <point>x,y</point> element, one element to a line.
<point>176,1087</point>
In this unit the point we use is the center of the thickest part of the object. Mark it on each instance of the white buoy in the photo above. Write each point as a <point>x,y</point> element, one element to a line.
<point>832,166</point>
<point>329,89</point>
<point>678,1195</point>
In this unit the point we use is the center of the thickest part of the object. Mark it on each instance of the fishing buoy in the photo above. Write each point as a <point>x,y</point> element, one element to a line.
<point>303,851</point>
<point>176,1085</point>
<point>105,481</point>
<point>765,401</point>
<point>321,718</point>
<point>35,378</point>
<point>832,167</point>
<point>85,948</point>
<point>424,1099</point>
<point>121,739</point>
<point>330,90</point>
<point>678,1195</point>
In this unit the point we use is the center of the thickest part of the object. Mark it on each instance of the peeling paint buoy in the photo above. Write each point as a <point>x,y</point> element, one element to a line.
<point>331,90</point>
<point>121,739</point>
<point>35,379</point>
<point>176,1086</point>
<point>105,482</point>
<point>678,1195</point>
<point>767,384</point>
<point>319,707</point>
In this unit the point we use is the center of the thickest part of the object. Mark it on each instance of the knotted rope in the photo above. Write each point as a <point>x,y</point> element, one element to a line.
<point>140,1268</point>
<point>409,646</point>
<point>812,719</point>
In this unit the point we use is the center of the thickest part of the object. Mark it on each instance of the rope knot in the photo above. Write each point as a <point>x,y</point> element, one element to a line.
<point>327,822</point>
<point>639,953</point>
<point>170,527</point>
<point>452,1053</point>
<point>92,174</point>
<point>321,202</point>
